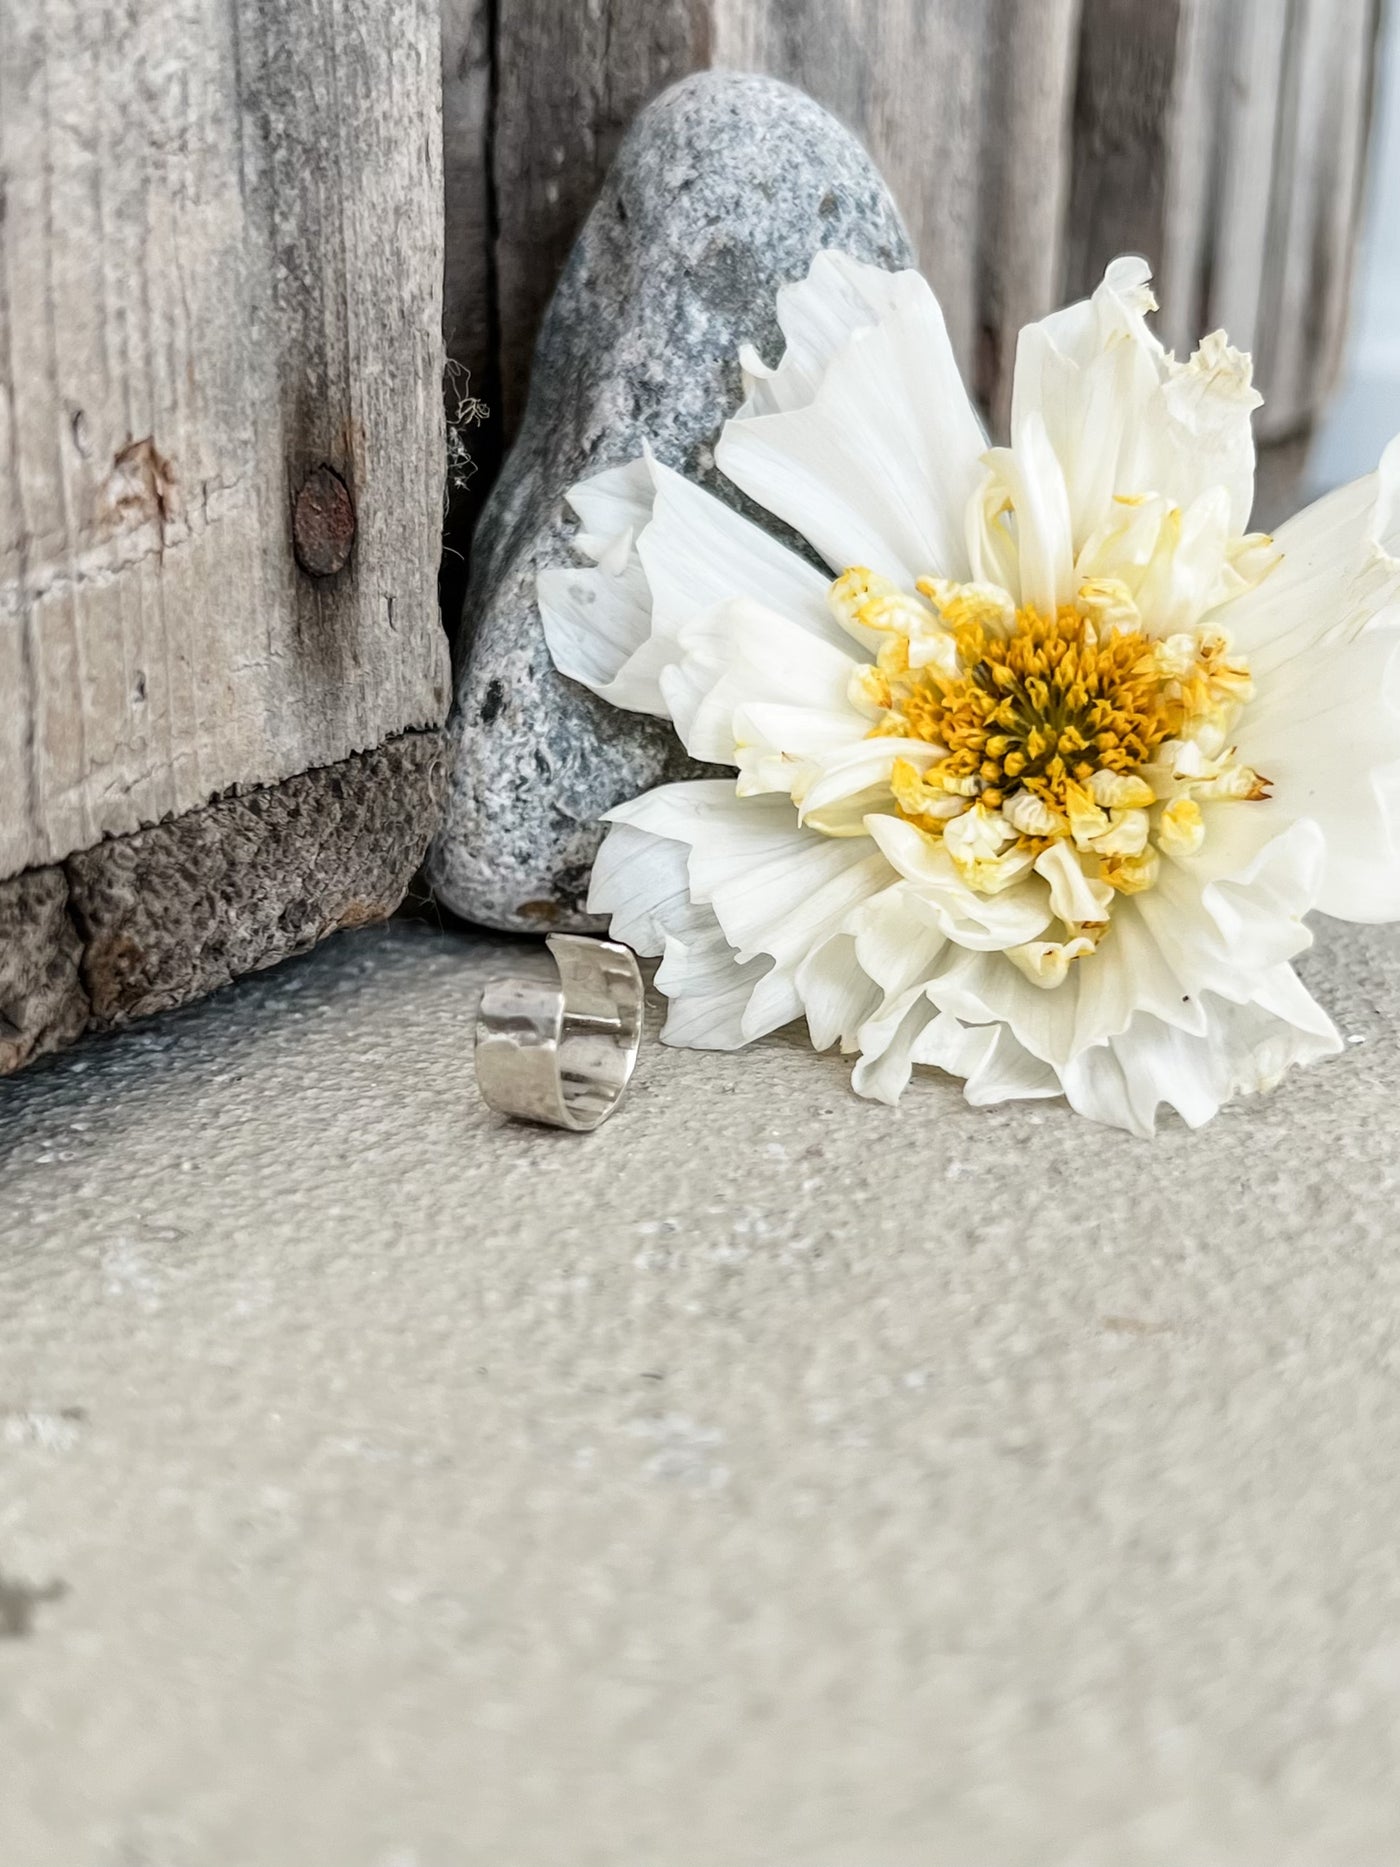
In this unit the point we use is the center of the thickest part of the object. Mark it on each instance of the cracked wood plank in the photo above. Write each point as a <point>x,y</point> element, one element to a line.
<point>220,268</point>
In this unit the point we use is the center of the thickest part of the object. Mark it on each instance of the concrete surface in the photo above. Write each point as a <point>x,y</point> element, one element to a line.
<point>769,1480</point>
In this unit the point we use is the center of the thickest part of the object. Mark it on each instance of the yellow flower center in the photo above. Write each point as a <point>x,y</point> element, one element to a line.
<point>1078,746</point>
<point>1050,703</point>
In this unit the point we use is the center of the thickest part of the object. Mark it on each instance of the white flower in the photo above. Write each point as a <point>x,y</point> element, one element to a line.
<point>1040,788</point>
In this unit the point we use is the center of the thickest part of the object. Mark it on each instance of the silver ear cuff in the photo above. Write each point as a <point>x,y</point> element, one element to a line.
<point>562,1054</point>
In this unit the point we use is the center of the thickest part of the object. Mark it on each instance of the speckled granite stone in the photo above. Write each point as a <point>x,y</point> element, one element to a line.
<point>724,190</point>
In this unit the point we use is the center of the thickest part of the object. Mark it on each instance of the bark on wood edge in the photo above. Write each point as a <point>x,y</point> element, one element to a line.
<point>143,923</point>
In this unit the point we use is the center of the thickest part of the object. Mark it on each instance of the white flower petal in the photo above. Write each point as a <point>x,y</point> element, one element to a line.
<point>1173,562</point>
<point>1074,897</point>
<point>745,654</point>
<point>1323,634</point>
<point>665,551</point>
<point>1122,1038</point>
<point>837,993</point>
<point>1127,483</point>
<point>597,617</point>
<point>977,835</point>
<point>1245,1048</point>
<point>640,881</point>
<point>983,922</point>
<point>984,987</point>
<point>898,941</point>
<point>1130,974</point>
<point>861,768</point>
<point>1083,371</point>
<point>596,627</point>
<point>1155,959</point>
<point>1123,416</point>
<point>887,1045</point>
<point>817,315</point>
<point>779,892</point>
<point>775,889</point>
<point>611,505</point>
<point>873,456</point>
<point>1234,911</point>
<point>895,946</point>
<point>783,748</point>
<point>1046,963</point>
<point>1029,478</point>
<point>910,1031</point>
<point>1204,435</point>
<point>994,1066</point>
<point>1327,737</point>
<point>1338,573</point>
<point>709,992</point>
<point>698,553</point>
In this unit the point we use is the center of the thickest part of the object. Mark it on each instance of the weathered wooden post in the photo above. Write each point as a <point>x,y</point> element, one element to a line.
<point>222,671</point>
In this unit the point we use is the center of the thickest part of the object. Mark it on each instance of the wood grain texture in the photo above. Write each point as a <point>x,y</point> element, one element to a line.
<point>468,310</point>
<point>965,107</point>
<point>1124,118</point>
<point>1315,207</point>
<point>1026,155</point>
<point>220,268</point>
<point>1226,140</point>
<point>469,313</point>
<point>569,80</point>
<point>178,910</point>
<point>145,922</point>
<point>908,78</point>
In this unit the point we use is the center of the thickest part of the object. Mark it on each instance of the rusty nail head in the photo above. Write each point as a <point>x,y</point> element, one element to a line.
<point>323,523</point>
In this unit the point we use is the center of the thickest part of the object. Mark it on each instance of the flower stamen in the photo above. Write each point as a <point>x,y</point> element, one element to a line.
<point>1078,733</point>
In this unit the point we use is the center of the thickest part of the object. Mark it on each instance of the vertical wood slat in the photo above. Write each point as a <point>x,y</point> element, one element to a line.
<point>1226,139</point>
<point>468,309</point>
<point>569,80</point>
<point>909,78</point>
<point>1026,147</point>
<point>1221,282</point>
<point>1126,96</point>
<point>978,160</point>
<point>470,314</point>
<point>1307,274</point>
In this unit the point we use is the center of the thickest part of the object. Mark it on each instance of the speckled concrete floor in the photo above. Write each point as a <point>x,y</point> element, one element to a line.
<point>769,1480</point>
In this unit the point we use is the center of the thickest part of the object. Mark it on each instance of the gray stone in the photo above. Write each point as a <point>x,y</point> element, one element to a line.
<point>725,189</point>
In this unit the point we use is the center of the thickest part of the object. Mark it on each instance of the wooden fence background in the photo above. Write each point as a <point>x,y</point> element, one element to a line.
<point>1026,141</point>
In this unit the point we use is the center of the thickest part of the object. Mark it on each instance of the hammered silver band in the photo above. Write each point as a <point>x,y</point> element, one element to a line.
<point>562,1054</point>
